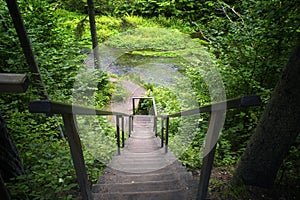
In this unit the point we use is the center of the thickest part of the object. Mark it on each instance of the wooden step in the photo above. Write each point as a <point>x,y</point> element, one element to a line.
<point>138,186</point>
<point>143,170</point>
<point>129,178</point>
<point>150,195</point>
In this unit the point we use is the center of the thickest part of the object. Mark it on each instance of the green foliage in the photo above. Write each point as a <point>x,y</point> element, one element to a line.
<point>98,138</point>
<point>11,57</point>
<point>165,100</point>
<point>53,50</point>
<point>119,94</point>
<point>181,9</point>
<point>192,156</point>
<point>45,156</point>
<point>144,107</point>
<point>92,88</point>
<point>147,8</point>
<point>181,129</point>
<point>251,40</point>
<point>149,38</point>
<point>48,164</point>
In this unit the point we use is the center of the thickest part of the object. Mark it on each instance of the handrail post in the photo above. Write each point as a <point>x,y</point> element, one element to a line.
<point>132,117</point>
<point>123,132</point>
<point>133,106</point>
<point>77,155</point>
<point>155,126</point>
<point>118,133</point>
<point>162,132</point>
<point>167,135</point>
<point>129,126</point>
<point>212,136</point>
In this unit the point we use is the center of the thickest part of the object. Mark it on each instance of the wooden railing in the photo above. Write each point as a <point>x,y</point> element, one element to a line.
<point>16,83</point>
<point>69,113</point>
<point>217,112</point>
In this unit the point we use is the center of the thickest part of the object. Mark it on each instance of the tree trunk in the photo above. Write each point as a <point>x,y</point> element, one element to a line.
<point>91,10</point>
<point>276,131</point>
<point>10,164</point>
<point>36,77</point>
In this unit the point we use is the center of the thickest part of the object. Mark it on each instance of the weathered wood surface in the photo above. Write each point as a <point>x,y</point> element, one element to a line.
<point>16,83</point>
<point>77,155</point>
<point>50,107</point>
<point>217,112</point>
<point>144,171</point>
<point>244,101</point>
<point>215,126</point>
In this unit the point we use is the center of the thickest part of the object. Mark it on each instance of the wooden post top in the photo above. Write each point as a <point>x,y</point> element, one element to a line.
<point>17,83</point>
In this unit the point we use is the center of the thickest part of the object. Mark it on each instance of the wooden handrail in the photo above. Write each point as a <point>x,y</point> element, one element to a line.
<point>154,106</point>
<point>13,82</point>
<point>217,111</point>
<point>69,113</point>
<point>244,101</point>
<point>50,107</point>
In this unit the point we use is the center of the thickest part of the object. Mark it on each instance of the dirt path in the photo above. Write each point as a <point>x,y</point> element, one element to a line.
<point>133,90</point>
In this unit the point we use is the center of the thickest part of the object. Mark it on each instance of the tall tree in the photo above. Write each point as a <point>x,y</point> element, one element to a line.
<point>91,10</point>
<point>276,132</point>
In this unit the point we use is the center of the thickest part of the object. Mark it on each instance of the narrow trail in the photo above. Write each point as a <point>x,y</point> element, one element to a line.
<point>133,90</point>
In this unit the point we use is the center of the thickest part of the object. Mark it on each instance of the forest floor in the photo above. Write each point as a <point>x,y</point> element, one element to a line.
<point>220,188</point>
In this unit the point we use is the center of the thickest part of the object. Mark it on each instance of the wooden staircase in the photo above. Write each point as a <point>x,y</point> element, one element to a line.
<point>144,171</point>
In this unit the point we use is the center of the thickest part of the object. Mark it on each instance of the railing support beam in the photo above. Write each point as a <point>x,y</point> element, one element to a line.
<point>129,126</point>
<point>133,106</point>
<point>162,132</point>
<point>77,155</point>
<point>155,126</point>
<point>215,126</point>
<point>167,135</point>
<point>118,133</point>
<point>123,132</point>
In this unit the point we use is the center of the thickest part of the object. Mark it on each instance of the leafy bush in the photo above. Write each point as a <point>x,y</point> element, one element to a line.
<point>46,158</point>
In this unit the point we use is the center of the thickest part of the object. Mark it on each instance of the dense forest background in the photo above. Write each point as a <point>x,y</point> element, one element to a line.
<point>251,42</point>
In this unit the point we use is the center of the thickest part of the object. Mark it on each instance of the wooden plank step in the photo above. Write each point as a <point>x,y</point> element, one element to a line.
<point>129,178</point>
<point>143,170</point>
<point>138,186</point>
<point>151,195</point>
